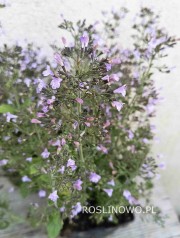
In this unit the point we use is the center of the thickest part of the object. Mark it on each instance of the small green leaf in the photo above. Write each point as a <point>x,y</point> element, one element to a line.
<point>6,108</point>
<point>54,225</point>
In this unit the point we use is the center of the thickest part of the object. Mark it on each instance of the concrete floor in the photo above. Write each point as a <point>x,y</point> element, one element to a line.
<point>37,21</point>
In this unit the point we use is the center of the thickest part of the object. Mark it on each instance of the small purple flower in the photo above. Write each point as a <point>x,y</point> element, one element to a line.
<point>40,86</point>
<point>111,182</point>
<point>53,196</point>
<point>79,100</point>
<point>26,179</point>
<point>51,100</point>
<point>58,59</point>
<point>45,109</point>
<point>150,108</point>
<point>3,162</point>
<point>35,121</point>
<point>118,105</point>
<point>55,143</point>
<point>61,170</point>
<point>121,90</point>
<point>10,116</point>
<point>63,141</point>
<point>76,209</point>
<point>75,125</point>
<point>130,198</point>
<point>29,159</point>
<point>108,66</point>
<point>102,149</point>
<point>42,193</point>
<point>47,72</point>
<point>145,140</point>
<point>56,83</point>
<point>106,78</point>
<point>84,39</point>
<point>27,81</point>
<point>45,154</point>
<point>108,191</point>
<point>77,184</point>
<point>113,78</point>
<point>130,134</point>
<point>71,164</point>
<point>93,177</point>
<point>62,209</point>
<point>115,61</point>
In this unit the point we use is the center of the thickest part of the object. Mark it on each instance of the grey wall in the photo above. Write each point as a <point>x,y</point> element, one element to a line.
<point>37,20</point>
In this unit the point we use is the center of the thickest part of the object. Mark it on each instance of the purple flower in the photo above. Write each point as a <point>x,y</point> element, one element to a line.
<point>145,140</point>
<point>35,121</point>
<point>111,182</point>
<point>130,134</point>
<point>26,179</point>
<point>150,108</point>
<point>63,141</point>
<point>56,83</point>
<point>106,78</point>
<point>75,125</point>
<point>56,143</point>
<point>108,191</point>
<point>108,66</point>
<point>29,159</point>
<point>113,78</point>
<point>62,209</point>
<point>41,85</point>
<point>58,59</point>
<point>115,61</point>
<point>45,154</point>
<point>42,193</point>
<point>84,39</point>
<point>77,184</point>
<point>51,100</point>
<point>3,162</point>
<point>45,109</point>
<point>130,198</point>
<point>79,100</point>
<point>61,170</point>
<point>71,164</point>
<point>121,90</point>
<point>10,116</point>
<point>47,72</point>
<point>102,149</point>
<point>118,105</point>
<point>93,177</point>
<point>53,196</point>
<point>76,209</point>
<point>126,194</point>
<point>137,54</point>
<point>27,81</point>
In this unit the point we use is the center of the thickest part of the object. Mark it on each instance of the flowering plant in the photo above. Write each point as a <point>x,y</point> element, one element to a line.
<point>85,137</point>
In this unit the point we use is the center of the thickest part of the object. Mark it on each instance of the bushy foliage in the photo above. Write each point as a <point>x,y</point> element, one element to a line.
<point>81,133</point>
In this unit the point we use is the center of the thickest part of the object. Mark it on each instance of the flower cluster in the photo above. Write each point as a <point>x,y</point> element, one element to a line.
<point>80,133</point>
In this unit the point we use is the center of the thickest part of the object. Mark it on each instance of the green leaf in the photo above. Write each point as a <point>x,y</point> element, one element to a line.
<point>33,169</point>
<point>54,225</point>
<point>6,108</point>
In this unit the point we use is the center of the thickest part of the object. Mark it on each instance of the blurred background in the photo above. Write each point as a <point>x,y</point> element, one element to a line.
<point>37,21</point>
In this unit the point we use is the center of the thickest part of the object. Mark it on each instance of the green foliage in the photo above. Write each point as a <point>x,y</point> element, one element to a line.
<point>54,225</point>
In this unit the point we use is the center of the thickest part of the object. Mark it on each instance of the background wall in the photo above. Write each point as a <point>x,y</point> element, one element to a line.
<point>37,21</point>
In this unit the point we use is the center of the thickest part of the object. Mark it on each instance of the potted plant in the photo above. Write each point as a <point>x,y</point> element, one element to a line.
<point>84,140</point>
